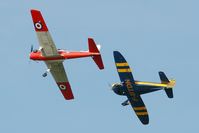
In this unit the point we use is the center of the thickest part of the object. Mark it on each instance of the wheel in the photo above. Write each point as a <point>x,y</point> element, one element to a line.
<point>44,75</point>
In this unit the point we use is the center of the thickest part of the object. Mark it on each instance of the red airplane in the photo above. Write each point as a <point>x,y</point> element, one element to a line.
<point>54,57</point>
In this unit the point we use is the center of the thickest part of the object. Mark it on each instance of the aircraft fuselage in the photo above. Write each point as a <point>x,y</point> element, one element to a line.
<point>141,87</point>
<point>37,55</point>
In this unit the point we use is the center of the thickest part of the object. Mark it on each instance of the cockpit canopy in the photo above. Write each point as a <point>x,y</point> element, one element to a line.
<point>118,88</point>
<point>35,51</point>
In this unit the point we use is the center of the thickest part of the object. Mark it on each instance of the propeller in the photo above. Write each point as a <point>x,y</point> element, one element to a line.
<point>110,86</point>
<point>31,48</point>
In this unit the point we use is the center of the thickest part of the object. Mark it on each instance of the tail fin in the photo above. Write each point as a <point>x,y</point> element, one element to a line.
<point>94,49</point>
<point>165,80</point>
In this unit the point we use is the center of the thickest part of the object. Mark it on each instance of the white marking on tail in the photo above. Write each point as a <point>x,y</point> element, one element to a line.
<point>98,47</point>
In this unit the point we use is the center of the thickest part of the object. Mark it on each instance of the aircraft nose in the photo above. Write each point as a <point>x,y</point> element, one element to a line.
<point>32,56</point>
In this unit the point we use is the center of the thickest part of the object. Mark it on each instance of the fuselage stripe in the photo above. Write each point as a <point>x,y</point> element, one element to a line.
<point>151,84</point>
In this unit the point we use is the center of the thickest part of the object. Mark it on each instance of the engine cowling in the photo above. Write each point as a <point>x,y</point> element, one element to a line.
<point>118,89</point>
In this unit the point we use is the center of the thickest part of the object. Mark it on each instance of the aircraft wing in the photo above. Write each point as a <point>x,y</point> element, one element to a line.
<point>47,45</point>
<point>59,75</point>
<point>123,68</point>
<point>136,102</point>
<point>126,77</point>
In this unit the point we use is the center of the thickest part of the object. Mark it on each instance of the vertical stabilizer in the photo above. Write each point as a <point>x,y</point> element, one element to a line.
<point>94,49</point>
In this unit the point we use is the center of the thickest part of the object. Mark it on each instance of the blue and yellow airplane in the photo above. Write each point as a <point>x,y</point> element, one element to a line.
<point>133,89</point>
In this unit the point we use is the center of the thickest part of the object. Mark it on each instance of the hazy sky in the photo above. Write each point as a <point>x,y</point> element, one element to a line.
<point>152,35</point>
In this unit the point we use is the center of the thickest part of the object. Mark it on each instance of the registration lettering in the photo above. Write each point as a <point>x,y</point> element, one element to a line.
<point>130,89</point>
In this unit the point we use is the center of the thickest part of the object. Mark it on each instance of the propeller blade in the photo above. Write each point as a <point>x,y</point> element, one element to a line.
<point>110,86</point>
<point>31,49</point>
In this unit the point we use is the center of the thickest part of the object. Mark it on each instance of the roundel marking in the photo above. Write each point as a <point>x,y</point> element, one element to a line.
<point>38,25</point>
<point>62,87</point>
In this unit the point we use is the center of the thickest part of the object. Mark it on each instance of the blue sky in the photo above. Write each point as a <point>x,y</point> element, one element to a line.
<point>152,35</point>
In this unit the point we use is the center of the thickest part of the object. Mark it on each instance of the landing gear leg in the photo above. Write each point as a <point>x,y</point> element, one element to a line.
<point>125,103</point>
<point>46,73</point>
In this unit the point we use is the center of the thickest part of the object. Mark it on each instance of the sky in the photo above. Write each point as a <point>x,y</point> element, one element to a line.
<point>152,35</point>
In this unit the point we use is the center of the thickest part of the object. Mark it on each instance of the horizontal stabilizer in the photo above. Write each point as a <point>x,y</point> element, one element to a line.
<point>94,49</point>
<point>169,92</point>
<point>165,80</point>
<point>163,77</point>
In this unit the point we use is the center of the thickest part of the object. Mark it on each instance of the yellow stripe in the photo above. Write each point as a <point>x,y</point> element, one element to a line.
<point>124,70</point>
<point>139,108</point>
<point>151,84</point>
<point>121,64</point>
<point>141,113</point>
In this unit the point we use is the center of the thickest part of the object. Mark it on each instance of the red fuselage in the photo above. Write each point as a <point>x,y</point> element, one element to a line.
<point>62,55</point>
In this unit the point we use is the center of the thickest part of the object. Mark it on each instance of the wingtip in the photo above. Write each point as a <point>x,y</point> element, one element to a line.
<point>38,21</point>
<point>101,68</point>
<point>160,72</point>
<point>72,98</point>
<point>34,10</point>
<point>145,120</point>
<point>145,123</point>
<point>90,39</point>
<point>66,90</point>
<point>116,52</point>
